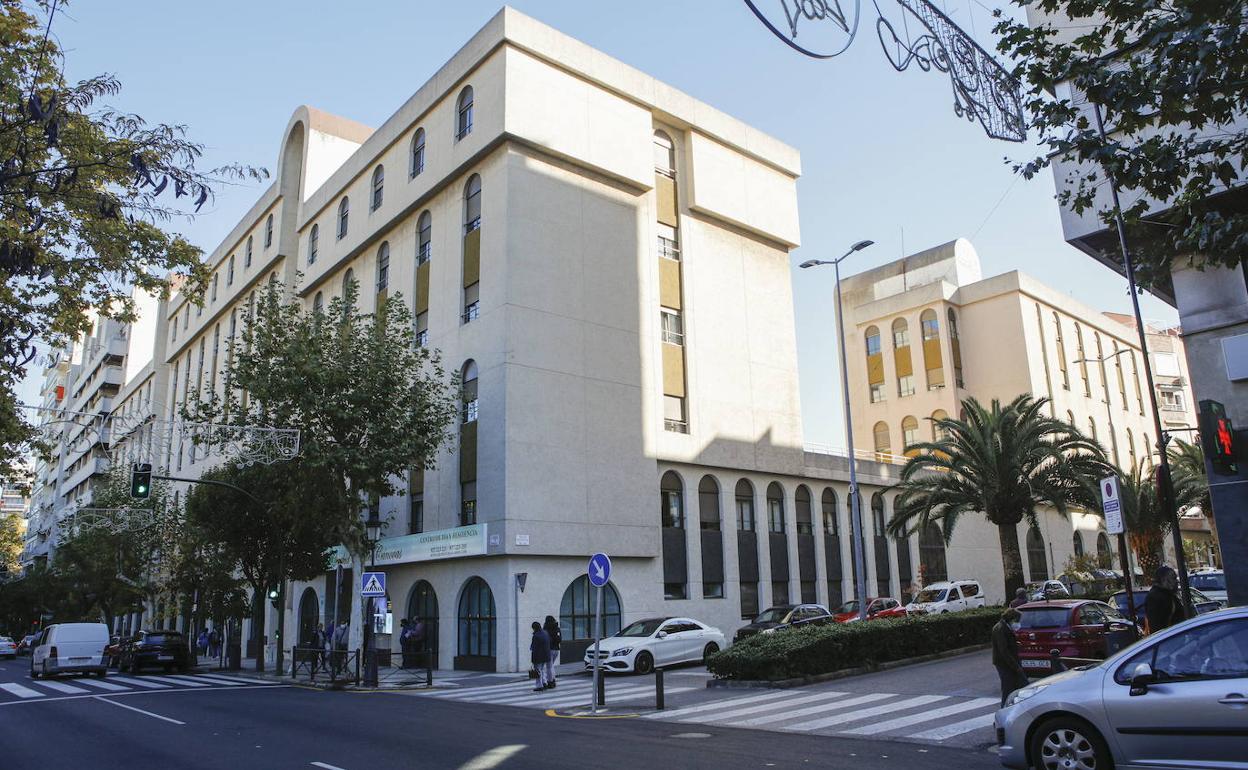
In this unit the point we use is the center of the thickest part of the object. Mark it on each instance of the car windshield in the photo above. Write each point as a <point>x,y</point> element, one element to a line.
<point>642,627</point>
<point>849,606</point>
<point>1044,617</point>
<point>1208,582</point>
<point>931,595</point>
<point>774,615</point>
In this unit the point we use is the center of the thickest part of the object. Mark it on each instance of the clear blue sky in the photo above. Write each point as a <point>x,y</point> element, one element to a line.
<point>882,151</point>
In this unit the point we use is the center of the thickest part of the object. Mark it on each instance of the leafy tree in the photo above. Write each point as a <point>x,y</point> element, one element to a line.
<point>1003,462</point>
<point>370,404</point>
<point>1191,481</point>
<point>1171,79</point>
<point>11,542</point>
<point>84,192</point>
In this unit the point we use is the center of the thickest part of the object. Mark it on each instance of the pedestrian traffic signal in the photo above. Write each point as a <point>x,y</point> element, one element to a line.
<point>1218,436</point>
<point>273,597</point>
<point>141,481</point>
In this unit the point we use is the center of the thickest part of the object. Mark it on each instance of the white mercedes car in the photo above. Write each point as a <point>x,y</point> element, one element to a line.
<point>658,642</point>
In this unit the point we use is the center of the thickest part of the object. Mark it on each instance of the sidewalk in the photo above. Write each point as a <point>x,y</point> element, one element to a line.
<point>388,677</point>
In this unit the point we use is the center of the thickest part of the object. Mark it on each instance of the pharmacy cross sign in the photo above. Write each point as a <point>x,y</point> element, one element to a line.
<point>983,90</point>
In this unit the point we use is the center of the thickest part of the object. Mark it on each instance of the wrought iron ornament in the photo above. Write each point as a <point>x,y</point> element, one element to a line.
<point>983,90</point>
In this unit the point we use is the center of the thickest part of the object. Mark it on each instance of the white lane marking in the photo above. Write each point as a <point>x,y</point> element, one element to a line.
<point>924,716</point>
<point>779,704</point>
<point>493,758</point>
<point>100,683</point>
<point>585,697</point>
<point>60,686</point>
<point>138,682</point>
<point>533,696</point>
<point>325,765</point>
<point>104,699</point>
<point>957,728</point>
<point>820,709</point>
<point>134,692</point>
<point>469,691</point>
<point>19,691</point>
<point>213,679</point>
<point>179,682</point>
<point>855,716</point>
<point>718,704</point>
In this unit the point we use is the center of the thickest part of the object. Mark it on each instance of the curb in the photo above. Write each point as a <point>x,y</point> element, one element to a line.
<point>845,673</point>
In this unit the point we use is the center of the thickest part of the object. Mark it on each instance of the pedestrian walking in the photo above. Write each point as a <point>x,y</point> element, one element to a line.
<point>327,646</point>
<point>405,642</point>
<point>1005,654</point>
<point>214,643</point>
<point>1020,597</point>
<point>419,653</point>
<point>1163,607</point>
<point>539,650</point>
<point>555,636</point>
<point>201,643</point>
<point>341,636</point>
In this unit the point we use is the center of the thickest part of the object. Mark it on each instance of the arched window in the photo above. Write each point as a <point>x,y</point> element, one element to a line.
<point>878,520</point>
<point>939,433</point>
<point>775,508</point>
<point>933,362</point>
<point>1078,544</point>
<point>902,364</point>
<point>576,611</point>
<point>1092,428</point>
<point>469,392</point>
<point>956,344</point>
<point>418,153</point>
<point>478,625</point>
<point>805,516</point>
<point>709,521</point>
<point>672,510</point>
<point>932,554</point>
<point>1122,380</point>
<point>348,285</point>
<point>422,605</point>
<point>318,304</point>
<point>268,231</point>
<point>1135,377</point>
<point>1062,363</point>
<point>901,334</point>
<point>314,243</point>
<point>883,446</point>
<point>383,266</point>
<point>1100,357</point>
<point>463,111</point>
<point>1037,562</point>
<point>875,364</point>
<point>424,238</point>
<point>247,253</point>
<point>1104,554</point>
<point>472,203</point>
<point>344,210</point>
<point>216,279</point>
<point>831,526</point>
<point>745,506</point>
<point>708,504</point>
<point>309,616</point>
<point>229,276</point>
<point>1083,360</point>
<point>379,188</point>
<point>872,336</point>
<point>1131,449</point>
<point>909,435</point>
<point>664,154</point>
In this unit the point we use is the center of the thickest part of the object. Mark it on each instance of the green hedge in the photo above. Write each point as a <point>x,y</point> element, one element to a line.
<point>822,649</point>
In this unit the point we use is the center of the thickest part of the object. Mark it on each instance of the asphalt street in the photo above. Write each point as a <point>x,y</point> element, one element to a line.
<point>232,723</point>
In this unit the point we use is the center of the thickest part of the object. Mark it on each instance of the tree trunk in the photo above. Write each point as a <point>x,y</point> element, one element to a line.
<point>357,609</point>
<point>1011,559</point>
<point>1148,551</point>
<point>257,623</point>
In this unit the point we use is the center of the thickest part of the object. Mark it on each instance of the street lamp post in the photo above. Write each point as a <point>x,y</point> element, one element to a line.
<point>855,506</point>
<point>372,528</point>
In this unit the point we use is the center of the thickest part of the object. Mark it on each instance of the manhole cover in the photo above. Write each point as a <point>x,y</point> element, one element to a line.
<point>692,735</point>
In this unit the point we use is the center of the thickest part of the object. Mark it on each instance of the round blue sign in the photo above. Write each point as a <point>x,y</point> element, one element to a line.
<point>599,570</point>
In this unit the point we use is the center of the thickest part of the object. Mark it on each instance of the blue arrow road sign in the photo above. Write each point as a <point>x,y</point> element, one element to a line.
<point>599,569</point>
<point>373,584</point>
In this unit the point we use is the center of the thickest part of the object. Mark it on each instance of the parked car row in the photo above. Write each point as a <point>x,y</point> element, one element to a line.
<point>87,648</point>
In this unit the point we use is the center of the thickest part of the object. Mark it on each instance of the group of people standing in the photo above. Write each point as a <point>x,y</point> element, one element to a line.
<point>411,642</point>
<point>544,651</point>
<point>208,643</point>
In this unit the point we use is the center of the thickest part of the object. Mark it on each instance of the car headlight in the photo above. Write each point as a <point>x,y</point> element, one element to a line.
<point>621,652</point>
<point>1022,694</point>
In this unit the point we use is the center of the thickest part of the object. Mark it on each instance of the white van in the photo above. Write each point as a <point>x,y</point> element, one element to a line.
<point>947,596</point>
<point>70,647</point>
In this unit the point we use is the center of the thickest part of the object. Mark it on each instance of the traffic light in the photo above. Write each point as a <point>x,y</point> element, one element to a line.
<point>274,598</point>
<point>1218,436</point>
<point>141,481</point>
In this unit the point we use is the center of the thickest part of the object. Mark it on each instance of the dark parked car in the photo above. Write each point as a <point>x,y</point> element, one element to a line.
<point>785,616</point>
<point>1076,628</point>
<point>1203,603</point>
<point>155,649</point>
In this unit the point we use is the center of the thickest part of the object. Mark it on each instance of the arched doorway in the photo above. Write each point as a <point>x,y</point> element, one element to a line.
<point>478,628</point>
<point>422,604</point>
<point>1104,555</point>
<point>309,616</point>
<point>932,554</point>
<point>1038,565</point>
<point>576,617</point>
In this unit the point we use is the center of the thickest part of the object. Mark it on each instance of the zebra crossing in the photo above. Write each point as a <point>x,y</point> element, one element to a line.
<point>571,693</point>
<point>893,716</point>
<point>31,690</point>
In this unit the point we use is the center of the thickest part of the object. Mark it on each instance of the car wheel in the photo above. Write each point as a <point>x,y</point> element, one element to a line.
<point>708,651</point>
<point>33,674</point>
<point>644,663</point>
<point>1068,744</point>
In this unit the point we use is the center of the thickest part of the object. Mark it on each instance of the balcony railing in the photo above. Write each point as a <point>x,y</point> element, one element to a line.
<point>676,426</point>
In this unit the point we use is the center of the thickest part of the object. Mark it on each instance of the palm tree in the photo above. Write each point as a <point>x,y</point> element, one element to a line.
<point>1003,463</point>
<point>1147,522</point>
<point>1191,482</point>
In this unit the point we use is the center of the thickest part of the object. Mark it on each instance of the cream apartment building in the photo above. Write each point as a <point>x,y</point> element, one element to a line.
<point>928,331</point>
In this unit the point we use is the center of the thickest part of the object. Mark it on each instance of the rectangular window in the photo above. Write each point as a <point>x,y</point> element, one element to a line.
<point>673,510</point>
<point>775,515</point>
<point>712,590</point>
<point>472,303</point>
<point>673,326</point>
<point>873,344</point>
<point>749,600</point>
<point>877,392</point>
<point>417,523</point>
<point>675,591</point>
<point>424,247</point>
<point>422,329</point>
<point>779,592</point>
<point>905,385</point>
<point>668,246</point>
<point>674,414</point>
<point>931,328</point>
<point>383,270</point>
<point>745,516</point>
<point>468,504</point>
<point>901,337</point>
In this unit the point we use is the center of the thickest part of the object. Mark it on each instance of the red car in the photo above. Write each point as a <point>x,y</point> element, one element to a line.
<point>879,607</point>
<point>1076,628</point>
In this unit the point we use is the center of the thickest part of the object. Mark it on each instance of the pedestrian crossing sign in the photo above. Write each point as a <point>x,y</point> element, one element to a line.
<point>373,584</point>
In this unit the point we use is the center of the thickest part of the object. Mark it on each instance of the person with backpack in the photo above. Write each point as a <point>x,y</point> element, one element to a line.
<point>551,627</point>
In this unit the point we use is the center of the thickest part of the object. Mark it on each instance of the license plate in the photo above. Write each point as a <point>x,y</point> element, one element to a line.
<point>78,660</point>
<point>1035,664</point>
<point>164,657</point>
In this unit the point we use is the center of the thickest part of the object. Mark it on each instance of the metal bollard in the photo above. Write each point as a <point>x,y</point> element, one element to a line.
<point>1055,662</point>
<point>602,690</point>
<point>658,689</point>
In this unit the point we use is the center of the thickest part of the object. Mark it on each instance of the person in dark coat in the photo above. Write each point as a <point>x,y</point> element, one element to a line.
<point>1020,597</point>
<point>540,655</point>
<point>1162,607</point>
<point>1005,654</point>
<point>551,627</point>
<point>405,642</point>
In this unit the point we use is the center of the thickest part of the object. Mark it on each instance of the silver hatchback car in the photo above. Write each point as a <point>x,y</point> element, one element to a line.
<point>1176,699</point>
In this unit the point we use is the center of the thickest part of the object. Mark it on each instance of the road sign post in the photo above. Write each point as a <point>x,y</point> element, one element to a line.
<point>1111,505</point>
<point>599,572</point>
